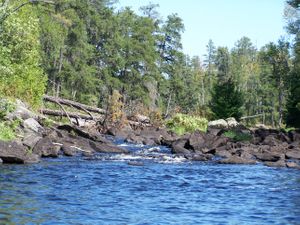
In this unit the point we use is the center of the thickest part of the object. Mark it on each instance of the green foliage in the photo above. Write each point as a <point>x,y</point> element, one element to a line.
<point>182,123</point>
<point>237,136</point>
<point>227,101</point>
<point>20,73</point>
<point>6,107</point>
<point>7,130</point>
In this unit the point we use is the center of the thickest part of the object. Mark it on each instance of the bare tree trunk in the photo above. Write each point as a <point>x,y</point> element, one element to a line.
<point>168,105</point>
<point>203,92</point>
<point>58,85</point>
<point>280,103</point>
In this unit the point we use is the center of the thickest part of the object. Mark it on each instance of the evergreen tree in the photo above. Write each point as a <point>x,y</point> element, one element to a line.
<point>227,101</point>
<point>293,102</point>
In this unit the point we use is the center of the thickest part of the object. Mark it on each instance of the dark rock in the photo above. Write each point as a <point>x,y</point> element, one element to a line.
<point>75,130</point>
<point>198,157</point>
<point>219,141</point>
<point>148,142</point>
<point>31,139</point>
<point>13,152</point>
<point>135,163</point>
<point>46,148</point>
<point>68,150</point>
<point>87,154</point>
<point>120,132</point>
<point>246,155</point>
<point>294,145</point>
<point>293,165</point>
<point>236,160</point>
<point>279,163</point>
<point>208,151</point>
<point>106,148</point>
<point>197,141</point>
<point>214,131</point>
<point>271,141</point>
<point>32,158</point>
<point>169,139</point>
<point>267,156</point>
<point>178,147</point>
<point>294,135</point>
<point>133,138</point>
<point>222,153</point>
<point>293,154</point>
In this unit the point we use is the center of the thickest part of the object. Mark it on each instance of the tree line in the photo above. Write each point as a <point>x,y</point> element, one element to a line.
<point>86,50</point>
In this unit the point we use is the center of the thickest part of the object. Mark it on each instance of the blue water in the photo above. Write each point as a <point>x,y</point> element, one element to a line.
<point>164,190</point>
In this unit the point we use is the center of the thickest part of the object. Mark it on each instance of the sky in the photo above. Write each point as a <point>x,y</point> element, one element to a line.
<point>223,21</point>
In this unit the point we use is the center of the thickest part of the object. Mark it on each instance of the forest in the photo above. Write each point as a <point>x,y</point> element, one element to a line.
<point>88,51</point>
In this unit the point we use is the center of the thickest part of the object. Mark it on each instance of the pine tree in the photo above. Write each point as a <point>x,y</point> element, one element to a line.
<point>227,101</point>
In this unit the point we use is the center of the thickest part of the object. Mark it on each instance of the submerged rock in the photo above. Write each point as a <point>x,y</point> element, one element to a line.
<point>293,165</point>
<point>135,163</point>
<point>107,148</point>
<point>279,163</point>
<point>236,160</point>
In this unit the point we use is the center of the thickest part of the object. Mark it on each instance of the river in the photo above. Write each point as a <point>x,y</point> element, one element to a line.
<point>164,190</point>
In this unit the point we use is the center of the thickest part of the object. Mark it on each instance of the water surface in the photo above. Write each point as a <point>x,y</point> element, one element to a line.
<point>165,190</point>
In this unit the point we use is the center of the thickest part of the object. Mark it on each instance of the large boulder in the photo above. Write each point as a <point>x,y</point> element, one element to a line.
<point>178,147</point>
<point>69,150</point>
<point>268,156</point>
<point>13,152</point>
<point>47,148</point>
<point>231,122</point>
<point>33,125</point>
<point>218,124</point>
<point>293,154</point>
<point>31,139</point>
<point>21,112</point>
<point>197,141</point>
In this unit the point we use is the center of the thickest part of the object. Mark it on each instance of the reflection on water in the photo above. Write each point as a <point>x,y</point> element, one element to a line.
<point>74,191</point>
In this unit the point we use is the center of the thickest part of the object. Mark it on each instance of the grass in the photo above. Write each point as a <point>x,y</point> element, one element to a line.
<point>182,123</point>
<point>237,136</point>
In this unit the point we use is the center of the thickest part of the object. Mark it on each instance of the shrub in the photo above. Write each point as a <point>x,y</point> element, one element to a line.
<point>7,131</point>
<point>182,123</point>
<point>5,107</point>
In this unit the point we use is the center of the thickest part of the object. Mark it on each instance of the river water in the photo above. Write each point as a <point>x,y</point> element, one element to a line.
<point>164,190</point>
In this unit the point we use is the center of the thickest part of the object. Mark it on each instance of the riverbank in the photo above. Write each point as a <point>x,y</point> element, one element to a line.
<point>234,144</point>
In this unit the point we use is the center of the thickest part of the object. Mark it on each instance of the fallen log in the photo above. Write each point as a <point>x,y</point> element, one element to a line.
<point>74,104</point>
<point>250,117</point>
<point>51,112</point>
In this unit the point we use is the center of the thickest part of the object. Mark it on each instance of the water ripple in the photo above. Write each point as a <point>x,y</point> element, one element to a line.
<point>107,190</point>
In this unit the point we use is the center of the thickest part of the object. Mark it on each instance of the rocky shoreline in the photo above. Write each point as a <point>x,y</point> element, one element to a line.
<point>35,141</point>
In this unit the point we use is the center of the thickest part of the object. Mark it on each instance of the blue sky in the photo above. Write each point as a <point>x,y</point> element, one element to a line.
<point>223,21</point>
